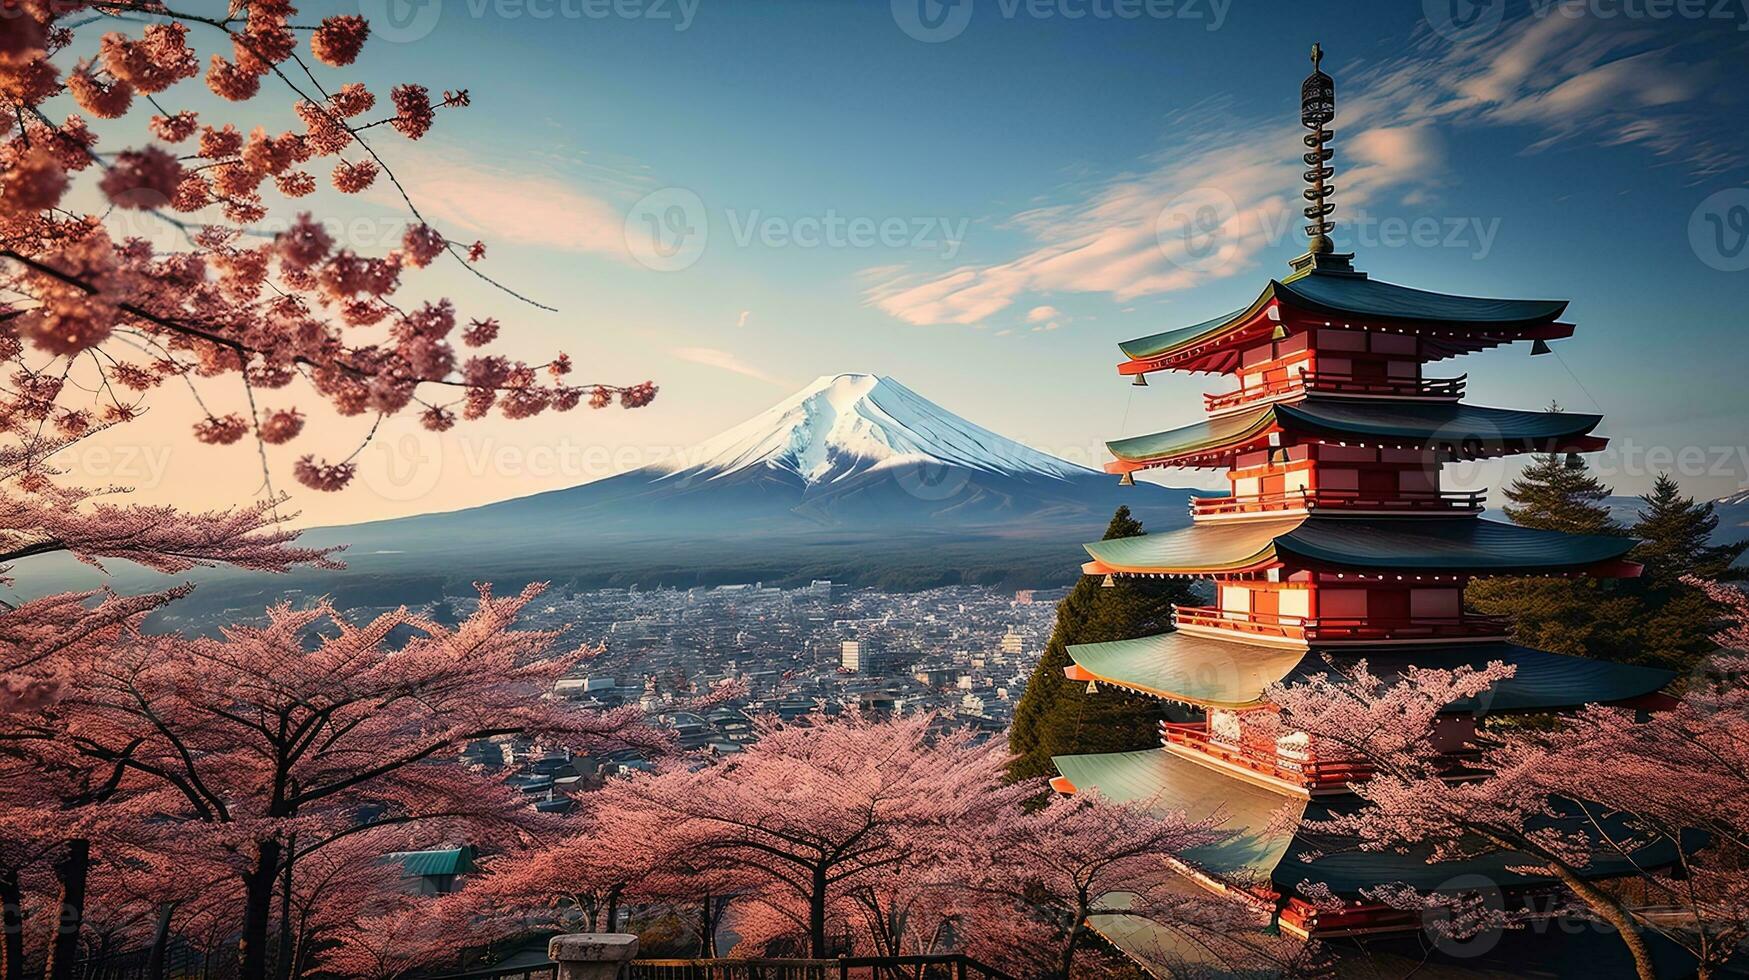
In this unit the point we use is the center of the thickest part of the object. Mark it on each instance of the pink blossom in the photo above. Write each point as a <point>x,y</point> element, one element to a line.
<point>338,40</point>
<point>327,477</point>
<point>413,114</point>
<point>480,332</point>
<point>33,182</point>
<point>422,243</point>
<point>142,179</point>
<point>350,178</point>
<point>221,430</point>
<point>103,100</point>
<point>174,128</point>
<point>233,82</point>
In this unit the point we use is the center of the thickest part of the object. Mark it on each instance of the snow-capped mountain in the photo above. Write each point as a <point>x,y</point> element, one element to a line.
<point>846,424</point>
<point>854,478</point>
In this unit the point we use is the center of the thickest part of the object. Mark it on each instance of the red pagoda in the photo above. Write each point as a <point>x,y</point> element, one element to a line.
<point>1336,542</point>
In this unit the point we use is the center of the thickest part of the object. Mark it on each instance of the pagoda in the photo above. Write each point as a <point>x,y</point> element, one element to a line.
<point>1336,543</point>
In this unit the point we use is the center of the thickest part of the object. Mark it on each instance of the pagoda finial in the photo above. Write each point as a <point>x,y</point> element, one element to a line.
<point>1317,108</point>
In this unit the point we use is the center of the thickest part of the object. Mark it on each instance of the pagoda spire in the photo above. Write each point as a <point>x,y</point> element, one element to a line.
<point>1317,109</point>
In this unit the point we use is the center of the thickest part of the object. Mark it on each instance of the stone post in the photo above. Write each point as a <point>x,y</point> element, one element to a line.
<point>593,955</point>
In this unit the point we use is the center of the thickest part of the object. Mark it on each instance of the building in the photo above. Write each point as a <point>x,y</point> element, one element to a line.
<point>856,656</point>
<point>1013,644</point>
<point>1336,540</point>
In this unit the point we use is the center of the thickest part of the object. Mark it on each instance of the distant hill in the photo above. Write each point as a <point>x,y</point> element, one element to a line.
<point>855,478</point>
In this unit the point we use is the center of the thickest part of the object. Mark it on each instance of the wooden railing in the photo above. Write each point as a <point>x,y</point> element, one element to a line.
<point>1311,772</point>
<point>1324,382</point>
<point>951,966</point>
<point>1337,629</point>
<point>945,967</point>
<point>1403,501</point>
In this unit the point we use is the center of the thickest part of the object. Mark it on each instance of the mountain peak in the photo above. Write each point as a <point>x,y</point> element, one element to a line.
<point>842,424</point>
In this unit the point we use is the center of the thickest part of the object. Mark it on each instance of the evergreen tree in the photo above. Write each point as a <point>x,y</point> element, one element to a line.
<point>1675,535</point>
<point>1056,715</point>
<point>1585,616</point>
<point>1675,541</point>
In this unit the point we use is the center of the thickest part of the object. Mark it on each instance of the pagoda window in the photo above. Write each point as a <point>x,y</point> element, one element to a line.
<point>1335,479</point>
<point>1338,367</point>
<point>1409,370</point>
<point>1296,603</point>
<point>1434,603</point>
<point>1342,603</point>
<point>1257,355</point>
<point>1247,486</point>
<point>1413,457</point>
<point>1236,600</point>
<point>1346,454</point>
<point>1294,481</point>
<point>1353,340</point>
<point>1417,480</point>
<point>1293,343</point>
<point>1393,343</point>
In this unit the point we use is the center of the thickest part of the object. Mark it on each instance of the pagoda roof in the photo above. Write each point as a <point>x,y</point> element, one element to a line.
<point>1387,544</point>
<point>1212,672</point>
<point>1472,428</point>
<point>1354,296</point>
<point>1269,847</point>
<point>1169,949</point>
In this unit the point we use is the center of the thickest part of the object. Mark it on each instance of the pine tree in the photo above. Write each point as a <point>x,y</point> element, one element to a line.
<point>1585,617</point>
<point>1057,715</point>
<point>1560,494</point>
<point>1675,533</point>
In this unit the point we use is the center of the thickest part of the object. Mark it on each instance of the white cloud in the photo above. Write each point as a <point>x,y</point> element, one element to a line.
<point>726,361</point>
<point>462,193</point>
<point>1560,77</point>
<point>1039,314</point>
<point>741,320</point>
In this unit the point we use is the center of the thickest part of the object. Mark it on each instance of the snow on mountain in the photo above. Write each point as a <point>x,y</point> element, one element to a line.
<point>846,424</point>
<point>1733,499</point>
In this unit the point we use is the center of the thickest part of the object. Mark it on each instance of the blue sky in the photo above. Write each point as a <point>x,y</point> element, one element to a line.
<point>999,207</point>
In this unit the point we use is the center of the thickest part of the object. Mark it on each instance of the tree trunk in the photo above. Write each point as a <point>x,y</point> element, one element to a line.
<point>1074,941</point>
<point>160,942</point>
<point>817,914</point>
<point>12,920</point>
<point>257,910</point>
<point>613,908</point>
<point>283,962</point>
<point>70,873</point>
<point>1609,911</point>
<point>707,947</point>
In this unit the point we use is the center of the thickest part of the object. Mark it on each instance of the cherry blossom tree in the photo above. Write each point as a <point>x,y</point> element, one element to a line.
<point>276,741</point>
<point>811,812</point>
<point>99,320</point>
<point>1603,783</point>
<point>1084,855</point>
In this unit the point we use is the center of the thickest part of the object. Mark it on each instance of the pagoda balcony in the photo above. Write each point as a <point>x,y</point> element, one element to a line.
<point>1316,775</point>
<point>1419,502</point>
<point>1272,628</point>
<point>1327,383</point>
